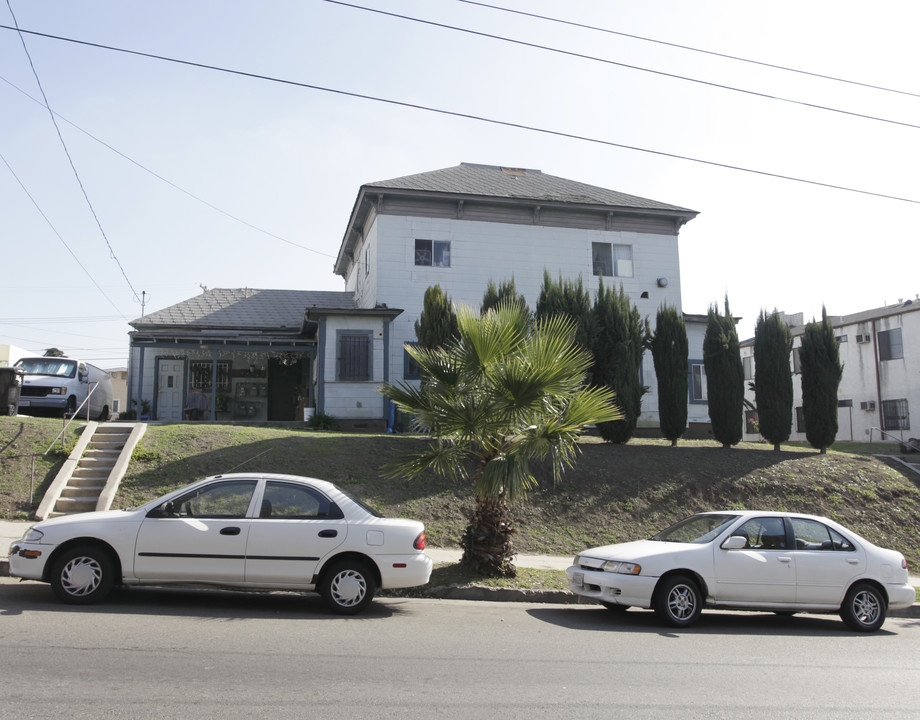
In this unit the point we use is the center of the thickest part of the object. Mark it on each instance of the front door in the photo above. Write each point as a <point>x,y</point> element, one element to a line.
<point>200,536</point>
<point>763,571</point>
<point>170,384</point>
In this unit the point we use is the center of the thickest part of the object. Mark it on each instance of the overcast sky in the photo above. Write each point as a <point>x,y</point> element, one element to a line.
<point>168,152</point>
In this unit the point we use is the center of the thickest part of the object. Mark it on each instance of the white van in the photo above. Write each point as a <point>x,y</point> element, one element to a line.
<point>60,385</point>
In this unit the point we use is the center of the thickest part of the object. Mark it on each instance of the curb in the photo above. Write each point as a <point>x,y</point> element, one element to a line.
<point>482,592</point>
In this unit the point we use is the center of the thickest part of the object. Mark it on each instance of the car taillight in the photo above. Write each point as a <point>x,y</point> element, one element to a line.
<point>420,541</point>
<point>904,563</point>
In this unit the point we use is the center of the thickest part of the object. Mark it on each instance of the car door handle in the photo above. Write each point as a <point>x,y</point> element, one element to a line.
<point>853,561</point>
<point>230,531</point>
<point>328,533</point>
<point>784,559</point>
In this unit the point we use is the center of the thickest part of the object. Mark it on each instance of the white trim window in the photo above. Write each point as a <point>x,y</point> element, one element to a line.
<point>432,253</point>
<point>699,390</point>
<point>610,260</point>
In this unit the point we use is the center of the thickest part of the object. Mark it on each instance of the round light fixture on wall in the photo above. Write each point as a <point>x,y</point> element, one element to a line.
<point>662,282</point>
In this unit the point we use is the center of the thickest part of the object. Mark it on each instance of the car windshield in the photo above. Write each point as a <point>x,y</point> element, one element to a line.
<point>697,529</point>
<point>55,367</point>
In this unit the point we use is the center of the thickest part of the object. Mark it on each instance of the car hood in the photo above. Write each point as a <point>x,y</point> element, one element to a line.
<point>638,550</point>
<point>87,517</point>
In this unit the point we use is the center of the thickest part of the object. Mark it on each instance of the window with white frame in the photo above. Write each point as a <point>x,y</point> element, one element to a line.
<point>895,415</point>
<point>610,260</point>
<point>748,365</point>
<point>890,345</point>
<point>411,370</point>
<point>432,253</point>
<point>353,355</point>
<point>698,389</point>
<point>796,359</point>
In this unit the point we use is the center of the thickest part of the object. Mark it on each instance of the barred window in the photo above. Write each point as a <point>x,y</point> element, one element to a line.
<point>895,414</point>
<point>353,357</point>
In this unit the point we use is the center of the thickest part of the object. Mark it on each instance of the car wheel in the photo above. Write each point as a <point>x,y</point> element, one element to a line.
<point>863,608</point>
<point>83,575</point>
<point>347,587</point>
<point>678,601</point>
<point>104,415</point>
<point>71,407</point>
<point>613,607</point>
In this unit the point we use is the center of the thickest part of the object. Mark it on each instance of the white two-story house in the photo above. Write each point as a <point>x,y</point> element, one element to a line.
<point>459,228</point>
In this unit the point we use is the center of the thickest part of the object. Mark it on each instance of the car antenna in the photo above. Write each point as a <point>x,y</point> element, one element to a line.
<point>249,460</point>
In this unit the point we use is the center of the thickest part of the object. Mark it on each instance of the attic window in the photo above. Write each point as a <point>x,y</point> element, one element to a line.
<point>514,172</point>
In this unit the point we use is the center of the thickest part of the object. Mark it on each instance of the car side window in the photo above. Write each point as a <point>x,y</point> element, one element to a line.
<point>219,500</point>
<point>767,533</point>
<point>812,535</point>
<point>296,502</point>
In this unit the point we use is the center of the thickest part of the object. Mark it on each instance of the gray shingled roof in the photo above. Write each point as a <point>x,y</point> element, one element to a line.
<point>245,308</point>
<point>494,181</point>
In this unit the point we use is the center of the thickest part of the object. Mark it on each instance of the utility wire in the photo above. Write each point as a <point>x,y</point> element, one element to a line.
<point>59,237</point>
<point>468,116</point>
<point>761,63</point>
<point>661,73</point>
<point>165,180</point>
<point>69,158</point>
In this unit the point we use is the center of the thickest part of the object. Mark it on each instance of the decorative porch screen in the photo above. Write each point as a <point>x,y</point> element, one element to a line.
<point>354,356</point>
<point>200,376</point>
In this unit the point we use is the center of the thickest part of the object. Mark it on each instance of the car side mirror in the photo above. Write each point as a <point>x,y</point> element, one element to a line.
<point>165,510</point>
<point>735,542</point>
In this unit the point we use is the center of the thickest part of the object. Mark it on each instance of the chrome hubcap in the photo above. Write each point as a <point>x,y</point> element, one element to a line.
<point>866,607</point>
<point>348,588</point>
<point>81,576</point>
<point>681,602</point>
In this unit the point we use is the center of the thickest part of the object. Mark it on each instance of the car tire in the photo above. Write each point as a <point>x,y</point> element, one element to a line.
<point>863,608</point>
<point>614,607</point>
<point>83,575</point>
<point>71,407</point>
<point>678,601</point>
<point>104,415</point>
<point>347,587</point>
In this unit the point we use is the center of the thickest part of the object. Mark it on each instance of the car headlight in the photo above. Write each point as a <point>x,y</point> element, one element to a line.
<point>57,391</point>
<point>623,568</point>
<point>33,536</point>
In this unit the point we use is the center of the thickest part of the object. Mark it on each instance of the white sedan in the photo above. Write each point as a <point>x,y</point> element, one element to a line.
<point>249,531</point>
<point>780,562</point>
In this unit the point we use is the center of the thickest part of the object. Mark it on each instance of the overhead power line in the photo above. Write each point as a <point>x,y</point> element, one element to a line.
<point>73,167</point>
<point>593,58</point>
<point>469,116</point>
<point>166,180</point>
<point>726,56</point>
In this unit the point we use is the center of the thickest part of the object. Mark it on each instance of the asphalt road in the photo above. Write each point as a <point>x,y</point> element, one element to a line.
<point>180,654</point>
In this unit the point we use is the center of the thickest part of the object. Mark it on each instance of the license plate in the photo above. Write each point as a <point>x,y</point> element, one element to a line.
<point>578,578</point>
<point>25,403</point>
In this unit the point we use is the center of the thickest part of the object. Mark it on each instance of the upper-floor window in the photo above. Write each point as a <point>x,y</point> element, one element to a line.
<point>796,359</point>
<point>433,253</point>
<point>748,365</point>
<point>890,346</point>
<point>353,355</point>
<point>611,260</point>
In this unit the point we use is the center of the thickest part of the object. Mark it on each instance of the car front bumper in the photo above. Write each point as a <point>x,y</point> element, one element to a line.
<point>615,588</point>
<point>27,560</point>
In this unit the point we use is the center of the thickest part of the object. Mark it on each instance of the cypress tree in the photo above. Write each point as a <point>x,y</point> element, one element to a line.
<point>569,298</point>
<point>821,373</point>
<point>437,324</point>
<point>670,353</point>
<point>620,335</point>
<point>494,296</point>
<point>773,378</point>
<point>724,376</point>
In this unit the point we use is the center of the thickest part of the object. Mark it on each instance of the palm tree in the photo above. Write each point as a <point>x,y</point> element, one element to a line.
<point>506,392</point>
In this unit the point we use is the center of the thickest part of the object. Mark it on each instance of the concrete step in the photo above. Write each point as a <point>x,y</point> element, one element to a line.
<point>84,492</point>
<point>73,505</point>
<point>92,481</point>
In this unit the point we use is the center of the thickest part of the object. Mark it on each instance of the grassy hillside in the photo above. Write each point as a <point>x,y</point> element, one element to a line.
<point>615,493</point>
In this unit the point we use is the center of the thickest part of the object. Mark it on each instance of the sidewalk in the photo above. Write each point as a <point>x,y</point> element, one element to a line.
<point>11,530</point>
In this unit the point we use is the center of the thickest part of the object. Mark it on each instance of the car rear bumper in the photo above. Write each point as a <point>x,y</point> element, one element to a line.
<point>630,590</point>
<point>400,571</point>
<point>900,596</point>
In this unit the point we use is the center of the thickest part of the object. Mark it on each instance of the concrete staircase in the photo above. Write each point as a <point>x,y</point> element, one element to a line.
<point>91,475</point>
